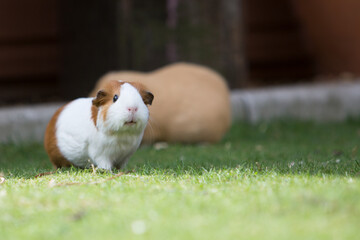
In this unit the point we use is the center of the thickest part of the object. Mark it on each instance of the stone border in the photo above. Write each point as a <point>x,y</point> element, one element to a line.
<point>25,123</point>
<point>320,102</point>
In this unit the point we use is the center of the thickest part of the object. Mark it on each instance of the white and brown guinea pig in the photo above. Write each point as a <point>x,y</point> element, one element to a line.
<point>106,129</point>
<point>192,102</point>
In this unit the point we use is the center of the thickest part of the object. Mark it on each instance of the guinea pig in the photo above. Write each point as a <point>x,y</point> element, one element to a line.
<point>105,130</point>
<point>192,102</point>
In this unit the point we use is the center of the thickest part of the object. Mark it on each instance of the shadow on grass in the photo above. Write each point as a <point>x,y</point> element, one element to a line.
<point>286,147</point>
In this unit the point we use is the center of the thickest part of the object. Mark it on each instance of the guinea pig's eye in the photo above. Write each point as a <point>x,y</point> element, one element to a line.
<point>115,98</point>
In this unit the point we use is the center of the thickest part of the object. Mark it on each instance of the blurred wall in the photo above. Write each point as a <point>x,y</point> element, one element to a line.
<point>275,50</point>
<point>101,36</point>
<point>29,50</point>
<point>331,29</point>
<point>57,49</point>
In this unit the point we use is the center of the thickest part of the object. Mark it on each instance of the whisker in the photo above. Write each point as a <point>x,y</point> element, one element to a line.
<point>150,130</point>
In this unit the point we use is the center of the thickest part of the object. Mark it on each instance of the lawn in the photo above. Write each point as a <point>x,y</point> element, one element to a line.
<point>279,180</point>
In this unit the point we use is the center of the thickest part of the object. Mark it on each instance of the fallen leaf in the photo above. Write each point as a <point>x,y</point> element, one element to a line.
<point>291,164</point>
<point>258,166</point>
<point>78,215</point>
<point>228,145</point>
<point>337,153</point>
<point>161,145</point>
<point>354,151</point>
<point>44,174</point>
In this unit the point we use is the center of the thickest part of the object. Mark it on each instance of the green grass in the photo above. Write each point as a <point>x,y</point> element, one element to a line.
<point>282,180</point>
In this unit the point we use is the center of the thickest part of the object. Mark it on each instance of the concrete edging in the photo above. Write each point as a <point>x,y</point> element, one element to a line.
<point>319,102</point>
<point>25,123</point>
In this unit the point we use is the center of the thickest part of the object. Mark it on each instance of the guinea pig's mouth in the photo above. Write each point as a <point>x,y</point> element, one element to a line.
<point>130,123</point>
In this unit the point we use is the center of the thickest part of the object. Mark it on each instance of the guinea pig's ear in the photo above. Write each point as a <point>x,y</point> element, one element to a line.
<point>147,97</point>
<point>100,98</point>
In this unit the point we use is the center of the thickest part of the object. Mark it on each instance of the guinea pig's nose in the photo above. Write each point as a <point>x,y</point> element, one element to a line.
<point>132,109</point>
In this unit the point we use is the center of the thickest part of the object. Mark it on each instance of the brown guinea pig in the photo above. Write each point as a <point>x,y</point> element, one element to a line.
<point>192,103</point>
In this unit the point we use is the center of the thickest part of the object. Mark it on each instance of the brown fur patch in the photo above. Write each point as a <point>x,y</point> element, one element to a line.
<point>146,96</point>
<point>50,143</point>
<point>104,97</point>
<point>94,113</point>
